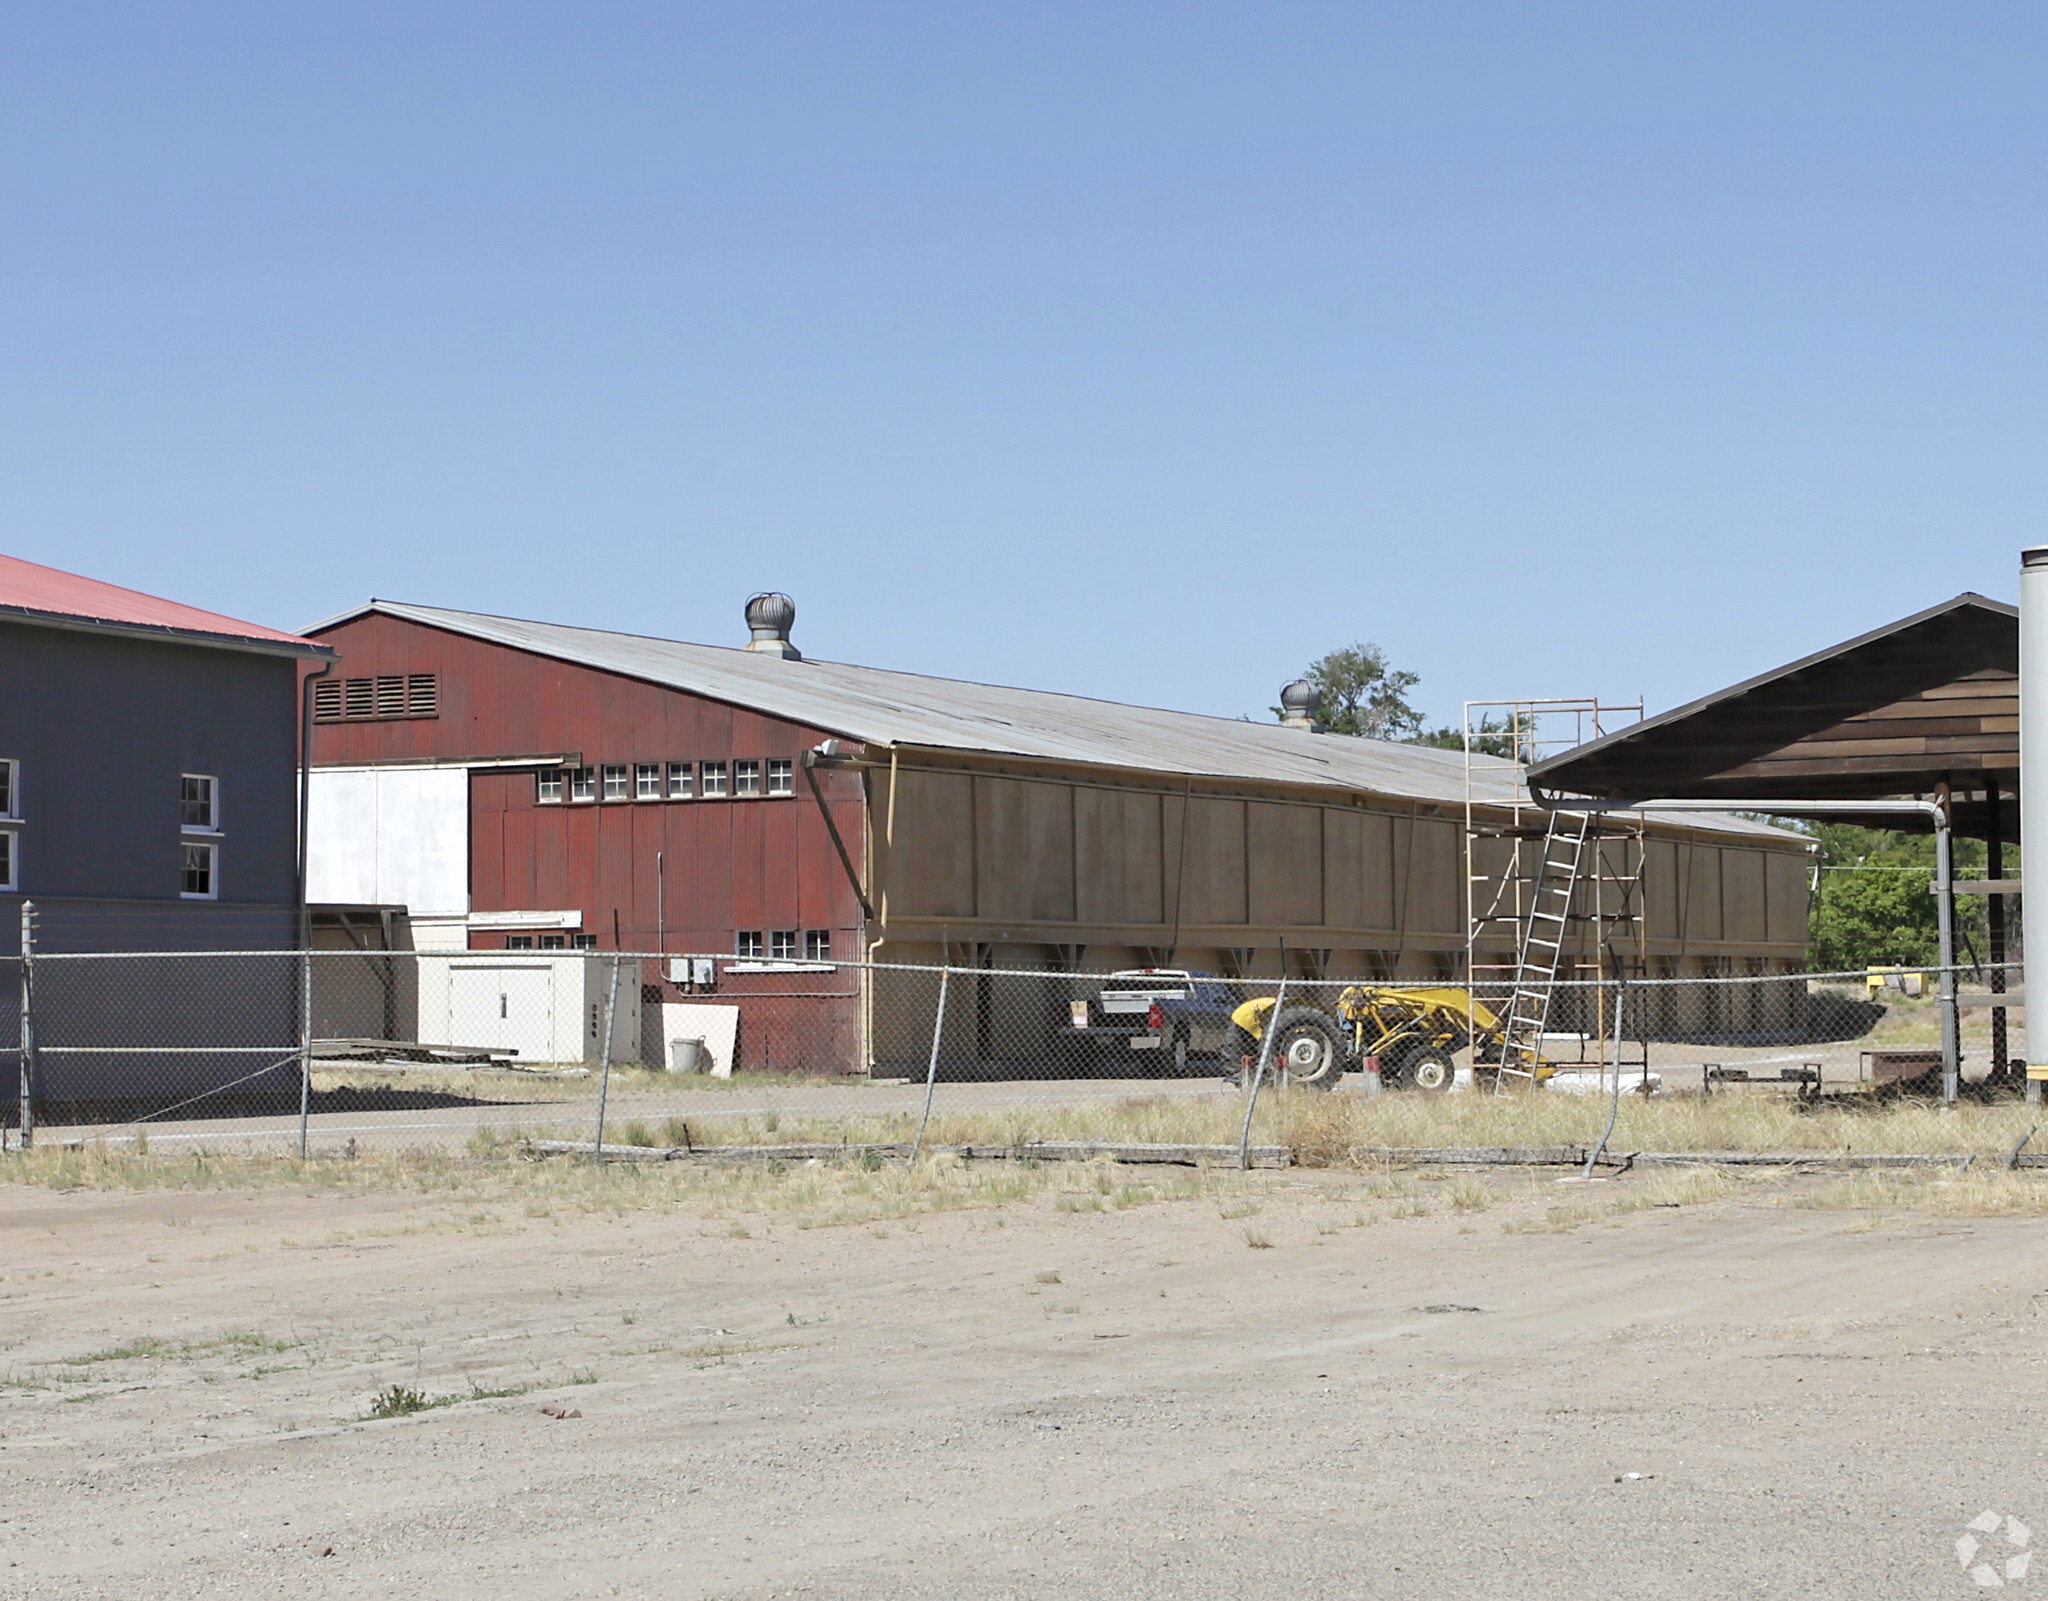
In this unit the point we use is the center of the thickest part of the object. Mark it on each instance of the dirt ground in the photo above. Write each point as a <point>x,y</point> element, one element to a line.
<point>1283,1386</point>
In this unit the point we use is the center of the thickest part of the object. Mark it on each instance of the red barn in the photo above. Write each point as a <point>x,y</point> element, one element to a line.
<point>531,786</point>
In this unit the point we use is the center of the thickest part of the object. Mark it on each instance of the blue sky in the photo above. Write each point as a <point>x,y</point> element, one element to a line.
<point>1142,351</point>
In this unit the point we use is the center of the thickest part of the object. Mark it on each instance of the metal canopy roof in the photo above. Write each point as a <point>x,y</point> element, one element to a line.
<point>30,593</point>
<point>879,707</point>
<point>1893,712</point>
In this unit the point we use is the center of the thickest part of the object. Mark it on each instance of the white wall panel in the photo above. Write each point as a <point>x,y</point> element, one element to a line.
<point>389,836</point>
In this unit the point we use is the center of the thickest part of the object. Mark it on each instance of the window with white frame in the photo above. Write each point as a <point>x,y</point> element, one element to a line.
<point>782,945</point>
<point>10,788</point>
<point>518,942</point>
<point>747,944</point>
<point>681,780</point>
<point>615,778</point>
<point>547,787</point>
<point>714,779</point>
<point>200,804</point>
<point>582,942</point>
<point>781,778</point>
<point>746,778</point>
<point>201,880</point>
<point>647,781</point>
<point>817,944</point>
<point>583,783</point>
<point>553,942</point>
<point>9,859</point>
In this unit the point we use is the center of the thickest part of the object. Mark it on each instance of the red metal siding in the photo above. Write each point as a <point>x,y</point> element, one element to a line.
<point>762,863</point>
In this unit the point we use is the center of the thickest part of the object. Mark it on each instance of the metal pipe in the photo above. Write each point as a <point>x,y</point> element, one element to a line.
<point>605,1084</point>
<point>28,1027</point>
<point>305,910</point>
<point>1251,1105</point>
<point>1944,865</point>
<point>931,1072</point>
<point>2034,781</point>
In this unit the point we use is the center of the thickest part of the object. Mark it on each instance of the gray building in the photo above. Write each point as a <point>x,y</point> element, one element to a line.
<point>148,803</point>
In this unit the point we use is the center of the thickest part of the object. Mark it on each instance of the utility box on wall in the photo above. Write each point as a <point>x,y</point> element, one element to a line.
<point>540,1008</point>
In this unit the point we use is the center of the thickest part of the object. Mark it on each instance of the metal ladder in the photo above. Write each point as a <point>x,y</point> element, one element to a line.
<point>1542,945</point>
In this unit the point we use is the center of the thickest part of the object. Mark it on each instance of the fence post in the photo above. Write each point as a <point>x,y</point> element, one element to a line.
<point>1251,1105</point>
<point>931,1072</point>
<point>604,1087</point>
<point>28,1027</point>
<point>305,1044</point>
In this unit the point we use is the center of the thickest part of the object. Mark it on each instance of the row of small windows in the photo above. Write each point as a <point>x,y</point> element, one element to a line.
<point>653,781</point>
<point>782,945</point>
<point>380,699</point>
<point>551,942</point>
<point>198,815</point>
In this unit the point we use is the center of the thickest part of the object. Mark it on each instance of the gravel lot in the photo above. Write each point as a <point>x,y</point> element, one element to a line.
<point>1319,1397</point>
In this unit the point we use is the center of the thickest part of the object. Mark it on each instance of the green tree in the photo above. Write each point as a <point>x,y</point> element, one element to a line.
<point>1874,907</point>
<point>1493,737</point>
<point>1363,695</point>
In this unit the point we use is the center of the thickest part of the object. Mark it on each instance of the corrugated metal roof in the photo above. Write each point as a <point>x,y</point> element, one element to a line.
<point>33,593</point>
<point>880,707</point>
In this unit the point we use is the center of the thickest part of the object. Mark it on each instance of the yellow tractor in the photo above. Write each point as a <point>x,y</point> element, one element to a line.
<point>1409,1035</point>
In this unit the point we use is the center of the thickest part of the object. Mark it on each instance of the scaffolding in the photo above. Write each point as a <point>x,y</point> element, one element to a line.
<point>1549,896</point>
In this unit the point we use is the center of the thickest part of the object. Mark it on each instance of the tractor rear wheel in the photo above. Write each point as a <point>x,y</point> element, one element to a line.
<point>1307,1048</point>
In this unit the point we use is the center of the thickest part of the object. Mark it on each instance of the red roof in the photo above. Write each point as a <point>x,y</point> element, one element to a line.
<point>24,586</point>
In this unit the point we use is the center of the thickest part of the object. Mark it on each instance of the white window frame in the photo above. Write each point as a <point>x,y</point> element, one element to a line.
<point>817,944</point>
<point>551,777</point>
<point>582,785</point>
<point>211,826</point>
<point>745,938</point>
<point>648,781</point>
<point>682,780</point>
<point>746,776</point>
<point>10,865</point>
<point>212,890</point>
<point>783,944</point>
<point>623,771</point>
<point>716,783</point>
<point>781,776</point>
<point>11,769</point>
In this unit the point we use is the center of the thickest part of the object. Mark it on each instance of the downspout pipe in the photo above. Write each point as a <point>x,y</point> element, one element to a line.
<point>1944,869</point>
<point>2034,781</point>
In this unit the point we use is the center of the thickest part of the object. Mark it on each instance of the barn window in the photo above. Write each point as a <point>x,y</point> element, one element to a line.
<point>746,778</point>
<point>714,779</point>
<point>647,781</point>
<point>615,781</point>
<point>583,783</point>
<point>8,858</point>
<point>552,942</point>
<point>547,787</point>
<point>817,944</point>
<point>10,788</point>
<point>518,942</point>
<point>385,698</point>
<point>781,778</point>
<point>583,942</point>
<point>201,879</point>
<point>782,945</point>
<point>747,944</point>
<point>680,780</point>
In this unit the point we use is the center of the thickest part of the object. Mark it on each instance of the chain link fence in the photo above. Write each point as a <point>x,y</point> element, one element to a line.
<point>400,1050</point>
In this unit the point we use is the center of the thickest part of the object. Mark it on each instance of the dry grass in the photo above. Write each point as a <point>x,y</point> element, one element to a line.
<point>807,1194</point>
<point>1992,1193</point>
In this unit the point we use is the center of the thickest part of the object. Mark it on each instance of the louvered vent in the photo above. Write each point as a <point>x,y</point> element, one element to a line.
<point>382,699</point>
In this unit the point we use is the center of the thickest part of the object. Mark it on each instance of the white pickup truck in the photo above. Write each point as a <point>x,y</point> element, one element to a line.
<point>1174,1013</point>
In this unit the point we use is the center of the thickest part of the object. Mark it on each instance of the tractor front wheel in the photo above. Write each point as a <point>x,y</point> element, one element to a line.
<point>1307,1048</point>
<point>1430,1071</point>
